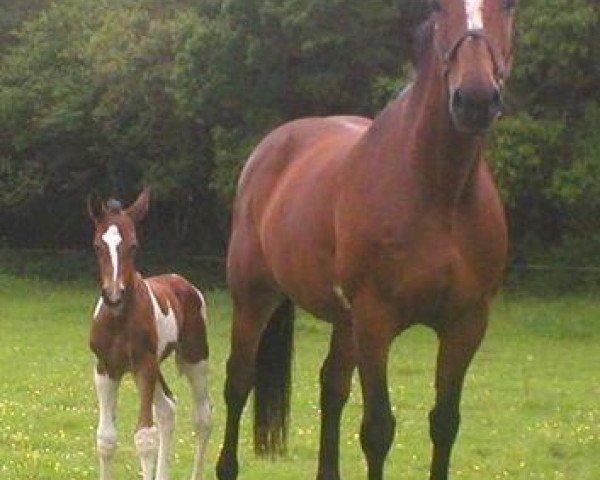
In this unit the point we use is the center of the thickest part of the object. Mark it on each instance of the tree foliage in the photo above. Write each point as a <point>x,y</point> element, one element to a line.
<point>111,94</point>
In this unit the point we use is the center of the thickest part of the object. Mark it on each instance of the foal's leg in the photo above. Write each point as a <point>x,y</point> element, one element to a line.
<point>458,344</point>
<point>146,435</point>
<point>249,318</point>
<point>164,409</point>
<point>106,435</point>
<point>336,378</point>
<point>197,375</point>
<point>373,333</point>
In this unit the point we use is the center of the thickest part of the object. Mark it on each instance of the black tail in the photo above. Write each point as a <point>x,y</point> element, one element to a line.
<point>272,385</point>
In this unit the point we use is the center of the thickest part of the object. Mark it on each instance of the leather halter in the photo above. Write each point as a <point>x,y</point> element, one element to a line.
<point>500,70</point>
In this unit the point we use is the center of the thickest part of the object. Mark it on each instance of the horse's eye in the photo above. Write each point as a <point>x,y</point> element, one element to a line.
<point>96,247</point>
<point>510,4</point>
<point>435,5</point>
<point>133,249</point>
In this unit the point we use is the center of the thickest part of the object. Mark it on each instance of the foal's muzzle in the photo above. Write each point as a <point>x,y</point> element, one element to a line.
<point>113,297</point>
<point>474,111</point>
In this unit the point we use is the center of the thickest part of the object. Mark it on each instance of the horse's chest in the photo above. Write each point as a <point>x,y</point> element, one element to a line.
<point>112,347</point>
<point>428,279</point>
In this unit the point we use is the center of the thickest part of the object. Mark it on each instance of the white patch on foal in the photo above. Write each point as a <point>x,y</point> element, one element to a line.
<point>166,325</point>
<point>113,238</point>
<point>474,11</point>
<point>98,307</point>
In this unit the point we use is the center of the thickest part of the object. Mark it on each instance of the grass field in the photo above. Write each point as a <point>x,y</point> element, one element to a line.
<point>531,407</point>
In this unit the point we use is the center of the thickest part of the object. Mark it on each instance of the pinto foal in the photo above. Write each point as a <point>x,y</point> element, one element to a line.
<point>137,323</point>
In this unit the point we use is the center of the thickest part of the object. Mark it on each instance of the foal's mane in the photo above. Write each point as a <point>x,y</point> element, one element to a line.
<point>114,206</point>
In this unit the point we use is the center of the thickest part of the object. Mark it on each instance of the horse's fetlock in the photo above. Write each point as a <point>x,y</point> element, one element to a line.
<point>146,441</point>
<point>106,444</point>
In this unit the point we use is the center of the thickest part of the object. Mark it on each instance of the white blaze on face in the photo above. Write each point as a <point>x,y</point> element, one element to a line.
<point>474,11</point>
<point>113,238</point>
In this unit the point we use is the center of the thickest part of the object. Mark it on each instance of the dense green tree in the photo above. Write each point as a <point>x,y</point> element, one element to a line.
<point>107,95</point>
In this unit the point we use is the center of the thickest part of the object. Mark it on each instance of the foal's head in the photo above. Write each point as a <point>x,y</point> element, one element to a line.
<point>473,40</point>
<point>115,243</point>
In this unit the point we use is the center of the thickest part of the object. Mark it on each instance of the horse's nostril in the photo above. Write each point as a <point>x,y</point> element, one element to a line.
<point>458,99</point>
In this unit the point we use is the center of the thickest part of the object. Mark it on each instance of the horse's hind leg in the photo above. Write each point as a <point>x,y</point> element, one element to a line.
<point>336,378</point>
<point>458,344</point>
<point>197,376</point>
<point>106,435</point>
<point>164,410</point>
<point>251,313</point>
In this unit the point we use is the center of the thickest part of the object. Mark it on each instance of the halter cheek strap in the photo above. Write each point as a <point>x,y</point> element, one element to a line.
<point>500,65</point>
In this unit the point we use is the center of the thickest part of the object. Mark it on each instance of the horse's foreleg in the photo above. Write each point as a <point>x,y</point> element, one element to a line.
<point>373,333</point>
<point>164,408</point>
<point>146,435</point>
<point>197,375</point>
<point>248,324</point>
<point>106,434</point>
<point>336,378</point>
<point>458,344</point>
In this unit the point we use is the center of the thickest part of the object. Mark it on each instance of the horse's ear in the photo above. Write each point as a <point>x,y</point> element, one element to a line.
<point>138,210</point>
<point>95,206</point>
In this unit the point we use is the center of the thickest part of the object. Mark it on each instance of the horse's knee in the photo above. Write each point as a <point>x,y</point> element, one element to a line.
<point>377,434</point>
<point>146,441</point>
<point>444,422</point>
<point>106,443</point>
<point>334,389</point>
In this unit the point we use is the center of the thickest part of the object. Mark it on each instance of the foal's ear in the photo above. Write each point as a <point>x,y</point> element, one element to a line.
<point>138,210</point>
<point>95,206</point>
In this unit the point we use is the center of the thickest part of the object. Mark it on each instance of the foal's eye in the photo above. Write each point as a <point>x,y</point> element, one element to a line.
<point>510,4</point>
<point>96,247</point>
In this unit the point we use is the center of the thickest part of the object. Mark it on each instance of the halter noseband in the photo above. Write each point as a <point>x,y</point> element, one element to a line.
<point>499,62</point>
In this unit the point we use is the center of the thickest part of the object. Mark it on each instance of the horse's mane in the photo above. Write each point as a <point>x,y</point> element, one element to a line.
<point>423,39</point>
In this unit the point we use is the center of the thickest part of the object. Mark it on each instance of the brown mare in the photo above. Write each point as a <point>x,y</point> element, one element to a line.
<point>373,226</point>
<point>137,323</point>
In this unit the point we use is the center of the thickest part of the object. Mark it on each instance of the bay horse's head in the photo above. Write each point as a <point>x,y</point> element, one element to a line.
<point>473,40</point>
<point>115,243</point>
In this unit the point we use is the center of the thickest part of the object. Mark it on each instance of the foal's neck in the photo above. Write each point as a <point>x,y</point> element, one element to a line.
<point>131,297</point>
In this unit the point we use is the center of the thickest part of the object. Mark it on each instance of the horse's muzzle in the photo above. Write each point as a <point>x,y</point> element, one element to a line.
<point>474,112</point>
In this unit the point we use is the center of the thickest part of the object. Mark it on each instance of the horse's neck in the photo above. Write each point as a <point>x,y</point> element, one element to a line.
<point>441,158</point>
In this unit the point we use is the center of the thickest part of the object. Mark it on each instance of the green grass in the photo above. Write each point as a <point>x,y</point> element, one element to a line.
<point>530,405</point>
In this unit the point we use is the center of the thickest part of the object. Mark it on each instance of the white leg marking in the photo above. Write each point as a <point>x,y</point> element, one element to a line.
<point>197,375</point>
<point>146,444</point>
<point>474,11</point>
<point>106,434</point>
<point>113,238</point>
<point>164,411</point>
